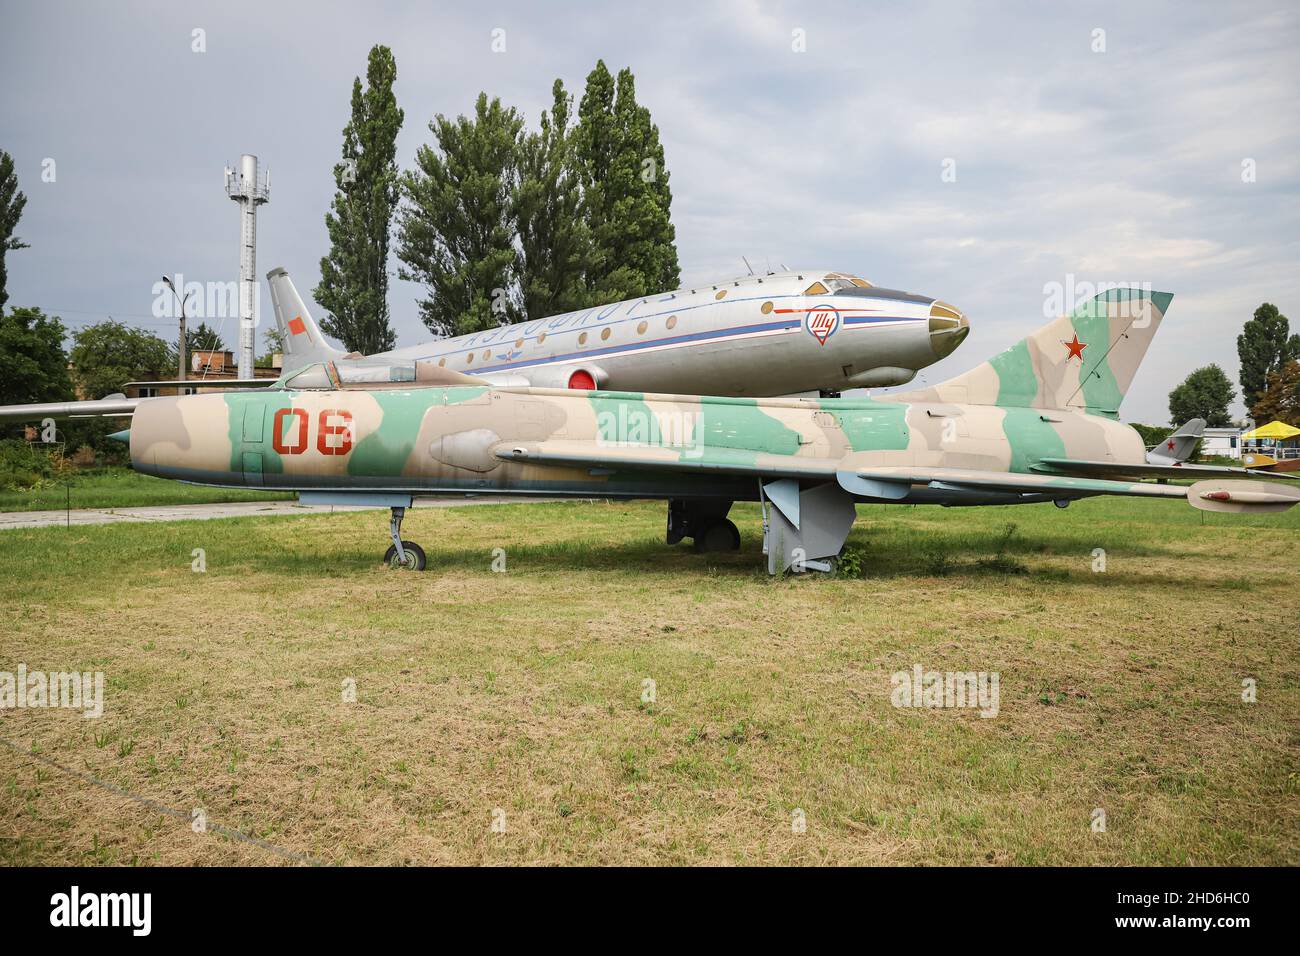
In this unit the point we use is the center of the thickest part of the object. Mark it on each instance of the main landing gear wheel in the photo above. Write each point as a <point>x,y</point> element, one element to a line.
<point>718,536</point>
<point>413,553</point>
<point>402,555</point>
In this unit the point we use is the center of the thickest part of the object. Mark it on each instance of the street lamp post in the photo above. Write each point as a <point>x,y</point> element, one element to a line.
<point>180,361</point>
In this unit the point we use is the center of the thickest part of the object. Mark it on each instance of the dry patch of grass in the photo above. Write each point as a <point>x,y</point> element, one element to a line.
<point>519,696</point>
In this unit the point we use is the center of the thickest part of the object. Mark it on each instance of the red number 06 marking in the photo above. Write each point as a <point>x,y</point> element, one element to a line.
<point>331,438</point>
<point>299,444</point>
<point>325,431</point>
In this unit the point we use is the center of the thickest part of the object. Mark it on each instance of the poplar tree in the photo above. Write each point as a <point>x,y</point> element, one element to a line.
<point>1264,346</point>
<point>12,202</point>
<point>554,238</point>
<point>457,225</point>
<point>354,276</point>
<point>629,200</point>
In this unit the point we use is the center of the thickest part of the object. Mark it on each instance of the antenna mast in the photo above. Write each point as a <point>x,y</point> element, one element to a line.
<point>250,190</point>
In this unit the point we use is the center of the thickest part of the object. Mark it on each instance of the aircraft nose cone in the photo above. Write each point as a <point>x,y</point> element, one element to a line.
<point>948,328</point>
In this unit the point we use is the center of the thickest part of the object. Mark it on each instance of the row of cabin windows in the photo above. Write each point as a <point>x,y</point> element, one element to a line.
<point>817,288</point>
<point>833,282</point>
<point>641,328</point>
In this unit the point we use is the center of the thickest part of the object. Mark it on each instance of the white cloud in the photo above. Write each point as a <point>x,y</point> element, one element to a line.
<point>1124,165</point>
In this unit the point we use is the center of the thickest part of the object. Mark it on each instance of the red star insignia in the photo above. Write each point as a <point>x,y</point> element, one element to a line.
<point>1076,349</point>
<point>1170,446</point>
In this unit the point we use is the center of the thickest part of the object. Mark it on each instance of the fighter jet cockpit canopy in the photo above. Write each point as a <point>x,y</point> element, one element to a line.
<point>329,376</point>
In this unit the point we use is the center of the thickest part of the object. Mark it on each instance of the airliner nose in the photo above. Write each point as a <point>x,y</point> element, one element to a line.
<point>948,328</point>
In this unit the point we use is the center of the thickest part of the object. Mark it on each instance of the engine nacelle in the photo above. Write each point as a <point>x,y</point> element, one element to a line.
<point>883,376</point>
<point>585,376</point>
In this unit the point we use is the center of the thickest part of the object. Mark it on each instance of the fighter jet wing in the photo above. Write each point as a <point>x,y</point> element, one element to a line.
<point>877,482</point>
<point>206,383</point>
<point>1077,466</point>
<point>592,454</point>
<point>873,481</point>
<point>893,481</point>
<point>112,406</point>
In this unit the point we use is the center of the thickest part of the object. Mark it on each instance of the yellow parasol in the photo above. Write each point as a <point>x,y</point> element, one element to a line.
<point>1278,431</point>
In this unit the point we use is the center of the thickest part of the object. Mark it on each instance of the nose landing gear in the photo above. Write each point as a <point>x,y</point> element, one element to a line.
<point>402,555</point>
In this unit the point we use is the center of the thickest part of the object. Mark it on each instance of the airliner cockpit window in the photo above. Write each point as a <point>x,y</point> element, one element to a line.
<point>843,283</point>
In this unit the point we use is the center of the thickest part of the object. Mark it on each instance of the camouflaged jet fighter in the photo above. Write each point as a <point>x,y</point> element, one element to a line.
<point>1037,423</point>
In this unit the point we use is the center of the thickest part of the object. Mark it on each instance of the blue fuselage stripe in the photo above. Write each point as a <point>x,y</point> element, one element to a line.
<point>782,325</point>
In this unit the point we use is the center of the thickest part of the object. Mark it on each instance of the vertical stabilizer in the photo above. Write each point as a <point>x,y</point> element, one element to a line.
<point>303,341</point>
<point>1084,360</point>
<point>1178,447</point>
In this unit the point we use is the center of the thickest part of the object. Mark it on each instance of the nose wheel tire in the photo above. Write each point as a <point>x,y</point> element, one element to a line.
<point>414,557</point>
<point>718,536</point>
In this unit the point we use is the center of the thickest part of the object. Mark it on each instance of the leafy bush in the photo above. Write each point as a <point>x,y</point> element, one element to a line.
<point>24,466</point>
<point>1152,434</point>
<point>938,563</point>
<point>852,563</point>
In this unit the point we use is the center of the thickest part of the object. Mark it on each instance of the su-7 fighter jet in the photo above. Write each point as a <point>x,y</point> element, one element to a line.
<point>1037,423</point>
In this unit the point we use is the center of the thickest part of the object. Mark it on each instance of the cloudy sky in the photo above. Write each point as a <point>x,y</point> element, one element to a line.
<point>1073,165</point>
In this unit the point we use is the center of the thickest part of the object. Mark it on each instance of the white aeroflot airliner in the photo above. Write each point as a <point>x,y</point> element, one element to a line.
<point>785,333</point>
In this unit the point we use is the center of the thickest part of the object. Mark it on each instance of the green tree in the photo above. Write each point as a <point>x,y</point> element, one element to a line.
<point>354,276</point>
<point>200,338</point>
<point>1264,346</point>
<point>1206,393</point>
<point>627,192</point>
<point>1280,400</point>
<point>33,365</point>
<point>204,338</point>
<point>1152,434</point>
<point>107,355</point>
<point>555,249</point>
<point>11,210</point>
<point>274,340</point>
<point>457,228</point>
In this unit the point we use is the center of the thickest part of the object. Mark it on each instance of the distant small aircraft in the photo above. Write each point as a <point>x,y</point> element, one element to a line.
<point>1037,423</point>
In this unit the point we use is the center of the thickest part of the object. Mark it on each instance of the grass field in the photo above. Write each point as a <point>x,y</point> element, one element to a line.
<point>517,697</point>
<point>121,488</point>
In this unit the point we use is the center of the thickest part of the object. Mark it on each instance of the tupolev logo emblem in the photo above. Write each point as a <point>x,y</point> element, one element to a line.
<point>822,322</point>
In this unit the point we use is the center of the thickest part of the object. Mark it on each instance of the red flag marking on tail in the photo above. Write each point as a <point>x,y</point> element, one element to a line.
<point>297,326</point>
